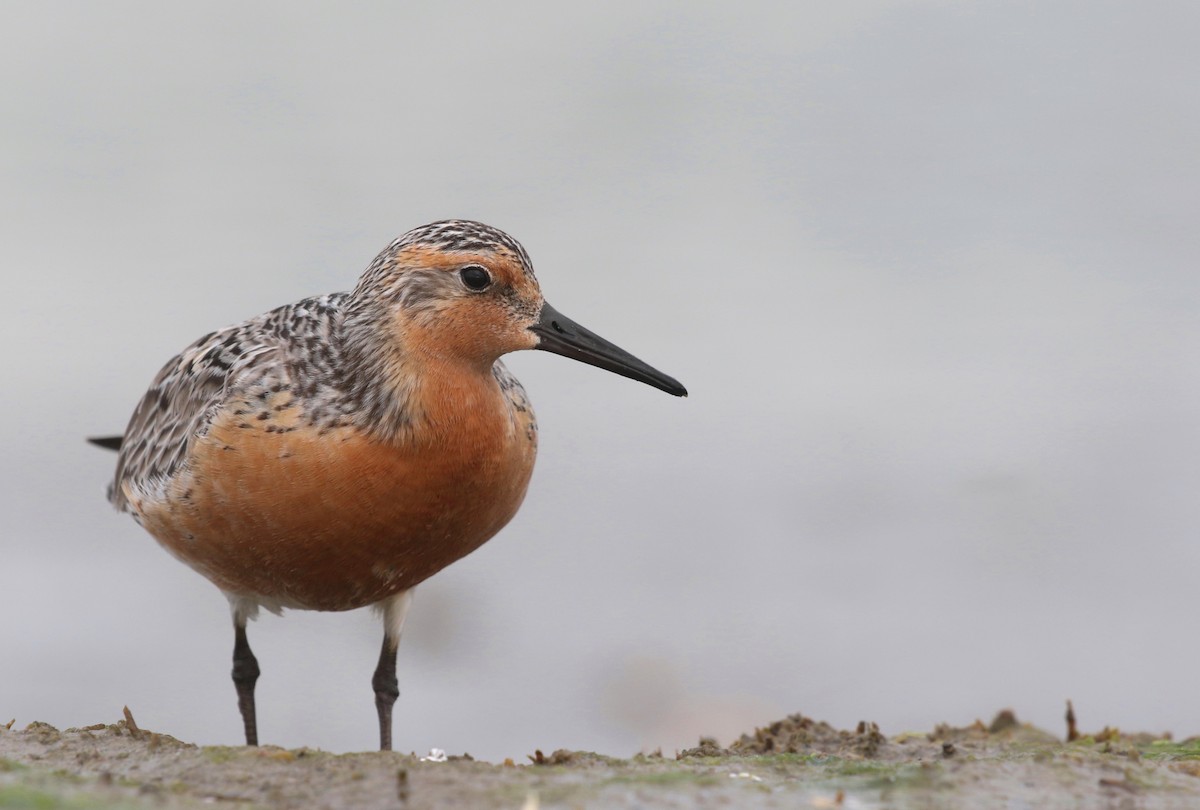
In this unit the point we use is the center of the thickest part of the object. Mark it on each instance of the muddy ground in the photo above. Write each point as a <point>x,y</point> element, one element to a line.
<point>795,763</point>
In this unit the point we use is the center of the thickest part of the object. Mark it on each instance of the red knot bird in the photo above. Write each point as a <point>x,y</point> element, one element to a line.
<point>336,452</point>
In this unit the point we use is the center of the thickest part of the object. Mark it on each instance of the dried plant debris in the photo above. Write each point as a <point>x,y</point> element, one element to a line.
<point>797,734</point>
<point>1072,730</point>
<point>794,734</point>
<point>708,747</point>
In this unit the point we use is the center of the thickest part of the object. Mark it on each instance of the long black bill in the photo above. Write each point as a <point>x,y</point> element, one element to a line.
<point>561,335</point>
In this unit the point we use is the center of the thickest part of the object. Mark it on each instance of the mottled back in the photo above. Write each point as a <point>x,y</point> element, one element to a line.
<point>284,347</point>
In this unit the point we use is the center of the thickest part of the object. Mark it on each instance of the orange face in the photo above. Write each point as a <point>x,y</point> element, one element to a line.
<point>462,307</point>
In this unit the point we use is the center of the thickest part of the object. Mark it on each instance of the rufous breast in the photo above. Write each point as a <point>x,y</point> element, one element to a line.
<point>336,518</point>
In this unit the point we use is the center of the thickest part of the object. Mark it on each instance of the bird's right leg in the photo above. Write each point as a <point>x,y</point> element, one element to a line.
<point>245,674</point>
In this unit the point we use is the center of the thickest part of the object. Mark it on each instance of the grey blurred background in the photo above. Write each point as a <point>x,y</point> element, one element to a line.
<point>929,270</point>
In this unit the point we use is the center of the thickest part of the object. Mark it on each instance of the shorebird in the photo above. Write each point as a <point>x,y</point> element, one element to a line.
<point>336,452</point>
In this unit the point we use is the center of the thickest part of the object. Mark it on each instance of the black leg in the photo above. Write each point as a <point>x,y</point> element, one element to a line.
<point>393,610</point>
<point>245,674</point>
<point>386,690</point>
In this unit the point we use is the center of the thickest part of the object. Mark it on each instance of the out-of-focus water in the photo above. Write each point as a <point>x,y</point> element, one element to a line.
<point>927,269</point>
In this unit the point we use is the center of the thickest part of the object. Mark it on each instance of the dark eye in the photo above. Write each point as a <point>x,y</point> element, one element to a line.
<point>475,277</point>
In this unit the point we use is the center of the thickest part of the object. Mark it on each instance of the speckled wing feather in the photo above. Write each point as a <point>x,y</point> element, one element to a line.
<point>191,388</point>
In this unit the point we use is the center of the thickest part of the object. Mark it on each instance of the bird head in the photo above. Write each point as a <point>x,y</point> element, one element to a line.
<point>463,292</point>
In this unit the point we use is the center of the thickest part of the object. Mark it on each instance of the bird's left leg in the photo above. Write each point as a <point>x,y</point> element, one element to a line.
<point>394,609</point>
<point>245,674</point>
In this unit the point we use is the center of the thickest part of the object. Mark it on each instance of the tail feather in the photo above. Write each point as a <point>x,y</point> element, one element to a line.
<point>107,442</point>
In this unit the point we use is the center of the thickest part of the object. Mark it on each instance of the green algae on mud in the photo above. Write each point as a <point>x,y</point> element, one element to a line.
<point>793,762</point>
<point>1166,749</point>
